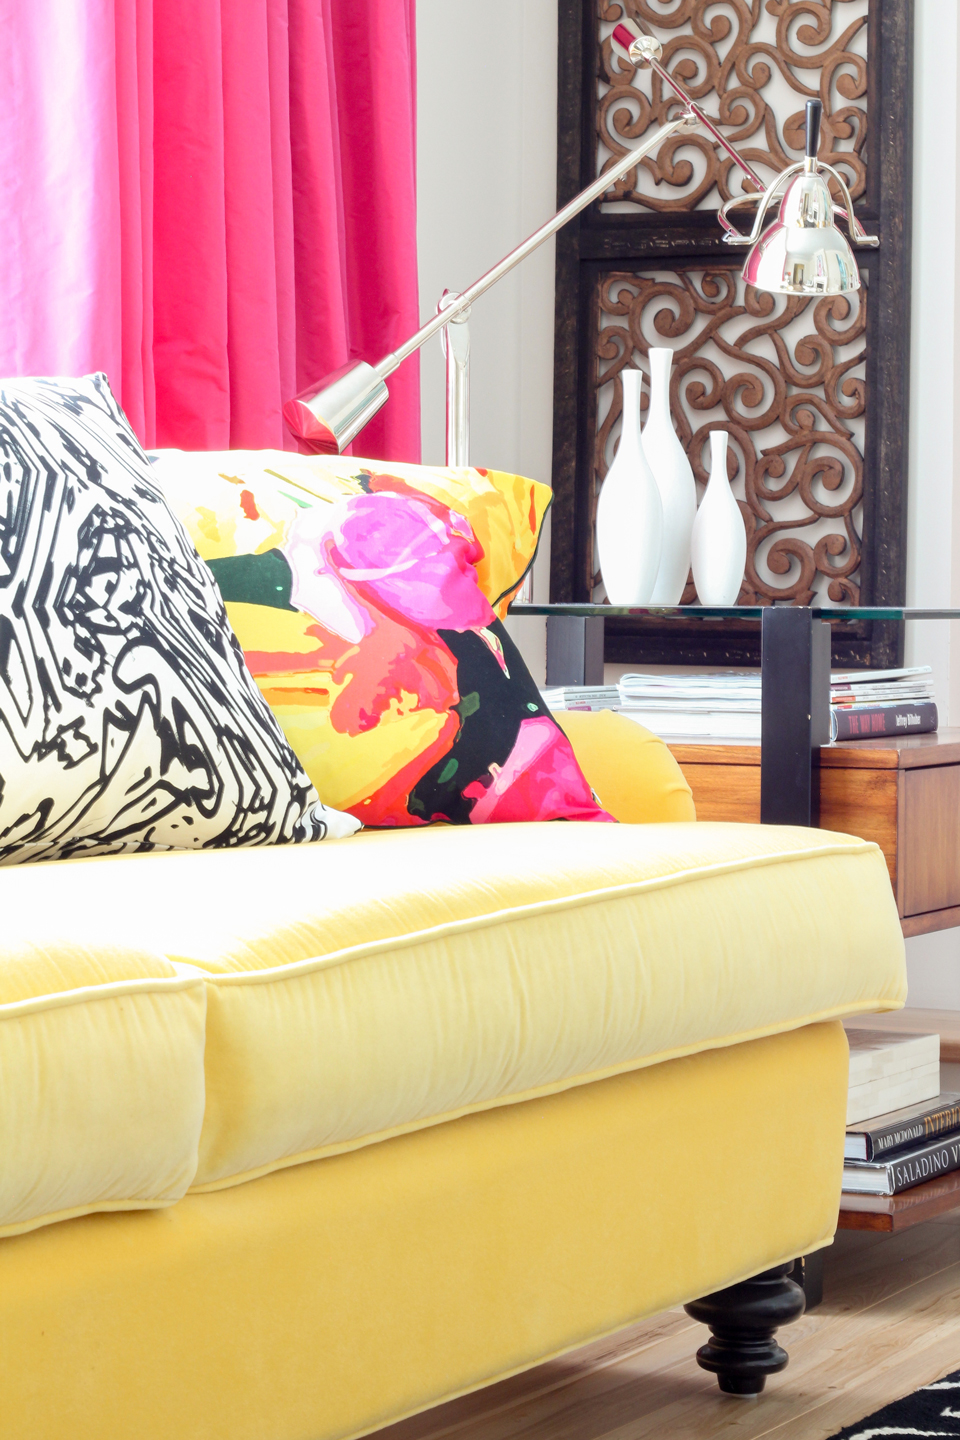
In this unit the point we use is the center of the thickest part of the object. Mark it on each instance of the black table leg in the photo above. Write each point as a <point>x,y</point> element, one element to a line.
<point>808,1273</point>
<point>795,699</point>
<point>575,650</point>
<point>795,718</point>
<point>794,723</point>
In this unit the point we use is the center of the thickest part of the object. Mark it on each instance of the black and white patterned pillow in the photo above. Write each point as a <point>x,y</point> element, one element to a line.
<point>128,720</point>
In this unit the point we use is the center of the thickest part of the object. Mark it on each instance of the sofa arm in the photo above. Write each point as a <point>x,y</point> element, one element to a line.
<point>631,769</point>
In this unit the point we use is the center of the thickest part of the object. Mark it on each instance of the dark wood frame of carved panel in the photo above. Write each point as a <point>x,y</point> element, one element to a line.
<point>812,368</point>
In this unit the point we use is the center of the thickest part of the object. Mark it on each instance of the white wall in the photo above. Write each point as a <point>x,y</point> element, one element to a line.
<point>487,177</point>
<point>933,524</point>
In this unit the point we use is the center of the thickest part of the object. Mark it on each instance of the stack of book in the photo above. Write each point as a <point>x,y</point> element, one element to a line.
<point>882,702</point>
<point>901,1130</point>
<point>726,706</point>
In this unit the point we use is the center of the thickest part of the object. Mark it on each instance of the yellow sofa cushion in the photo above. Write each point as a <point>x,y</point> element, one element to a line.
<point>327,1300</point>
<point>101,1060</point>
<point>633,773</point>
<point>371,986</point>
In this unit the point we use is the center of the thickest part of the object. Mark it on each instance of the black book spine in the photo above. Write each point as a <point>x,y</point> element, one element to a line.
<point>925,1127</point>
<point>925,1164</point>
<point>857,722</point>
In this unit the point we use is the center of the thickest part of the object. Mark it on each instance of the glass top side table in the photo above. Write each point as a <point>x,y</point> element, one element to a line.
<point>794,685</point>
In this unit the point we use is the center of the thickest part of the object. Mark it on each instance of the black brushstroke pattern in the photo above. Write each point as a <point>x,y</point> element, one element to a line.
<point>128,719</point>
<point>932,1410</point>
<point>494,703</point>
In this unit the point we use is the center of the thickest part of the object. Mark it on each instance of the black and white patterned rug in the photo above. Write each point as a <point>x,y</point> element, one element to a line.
<point>932,1410</point>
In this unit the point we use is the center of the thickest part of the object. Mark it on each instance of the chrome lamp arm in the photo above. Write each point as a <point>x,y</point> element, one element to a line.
<point>328,416</point>
<point>801,254</point>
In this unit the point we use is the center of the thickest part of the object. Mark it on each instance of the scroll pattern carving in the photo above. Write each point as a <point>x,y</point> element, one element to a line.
<point>785,377</point>
<point>752,62</point>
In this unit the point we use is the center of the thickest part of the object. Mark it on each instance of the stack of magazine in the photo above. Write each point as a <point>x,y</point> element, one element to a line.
<point>726,705</point>
<point>582,697</point>
<point>901,1129</point>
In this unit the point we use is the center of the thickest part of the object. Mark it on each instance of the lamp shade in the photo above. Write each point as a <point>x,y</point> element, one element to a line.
<point>329,415</point>
<point>803,252</point>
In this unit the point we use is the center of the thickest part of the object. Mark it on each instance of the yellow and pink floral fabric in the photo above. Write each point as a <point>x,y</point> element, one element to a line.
<point>368,601</point>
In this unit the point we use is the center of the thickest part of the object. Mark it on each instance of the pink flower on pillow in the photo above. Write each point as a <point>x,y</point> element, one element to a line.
<point>540,780</point>
<point>413,558</point>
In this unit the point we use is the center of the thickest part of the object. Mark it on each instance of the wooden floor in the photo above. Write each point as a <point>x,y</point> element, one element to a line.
<point>889,1322</point>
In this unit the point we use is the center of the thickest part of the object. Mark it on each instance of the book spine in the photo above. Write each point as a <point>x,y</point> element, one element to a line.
<point>879,1146</point>
<point>924,1127</point>
<point>857,722</point>
<point>927,1164</point>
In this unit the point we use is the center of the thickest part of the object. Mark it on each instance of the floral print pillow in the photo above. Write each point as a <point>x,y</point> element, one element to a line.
<point>359,610</point>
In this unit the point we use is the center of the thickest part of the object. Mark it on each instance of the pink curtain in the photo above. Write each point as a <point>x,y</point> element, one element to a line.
<point>213,201</point>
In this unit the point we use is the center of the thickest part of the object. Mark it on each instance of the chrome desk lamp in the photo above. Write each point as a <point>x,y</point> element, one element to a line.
<point>801,253</point>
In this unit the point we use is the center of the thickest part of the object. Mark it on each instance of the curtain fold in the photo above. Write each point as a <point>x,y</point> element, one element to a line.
<point>134,86</point>
<point>214,201</point>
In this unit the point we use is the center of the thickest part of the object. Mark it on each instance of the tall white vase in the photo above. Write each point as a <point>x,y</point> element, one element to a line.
<point>719,548</point>
<point>629,513</point>
<point>674,476</point>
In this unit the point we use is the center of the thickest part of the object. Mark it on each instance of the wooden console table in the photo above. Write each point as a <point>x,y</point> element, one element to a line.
<point>904,793</point>
<point>901,791</point>
<point>795,650</point>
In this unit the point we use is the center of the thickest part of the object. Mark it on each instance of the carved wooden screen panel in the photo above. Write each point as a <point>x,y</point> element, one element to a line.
<point>784,377</point>
<point>813,393</point>
<point>752,64</point>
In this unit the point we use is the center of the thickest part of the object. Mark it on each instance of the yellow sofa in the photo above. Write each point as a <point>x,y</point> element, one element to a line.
<point>298,1141</point>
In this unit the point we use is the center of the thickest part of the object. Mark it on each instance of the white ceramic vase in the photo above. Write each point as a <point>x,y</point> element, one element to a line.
<point>674,476</point>
<point>719,546</point>
<point>629,513</point>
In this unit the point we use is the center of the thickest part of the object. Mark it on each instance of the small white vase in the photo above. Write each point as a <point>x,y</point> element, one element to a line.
<point>674,476</point>
<point>629,513</point>
<point>719,547</point>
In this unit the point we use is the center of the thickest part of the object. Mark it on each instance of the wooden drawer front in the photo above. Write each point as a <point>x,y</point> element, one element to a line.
<point>863,803</point>
<point>725,792</point>
<point>930,839</point>
<point>855,802</point>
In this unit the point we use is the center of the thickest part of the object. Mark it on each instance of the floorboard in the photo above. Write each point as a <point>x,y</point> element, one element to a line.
<point>889,1322</point>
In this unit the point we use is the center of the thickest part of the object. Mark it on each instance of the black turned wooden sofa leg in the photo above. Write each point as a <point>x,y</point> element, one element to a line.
<point>743,1319</point>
